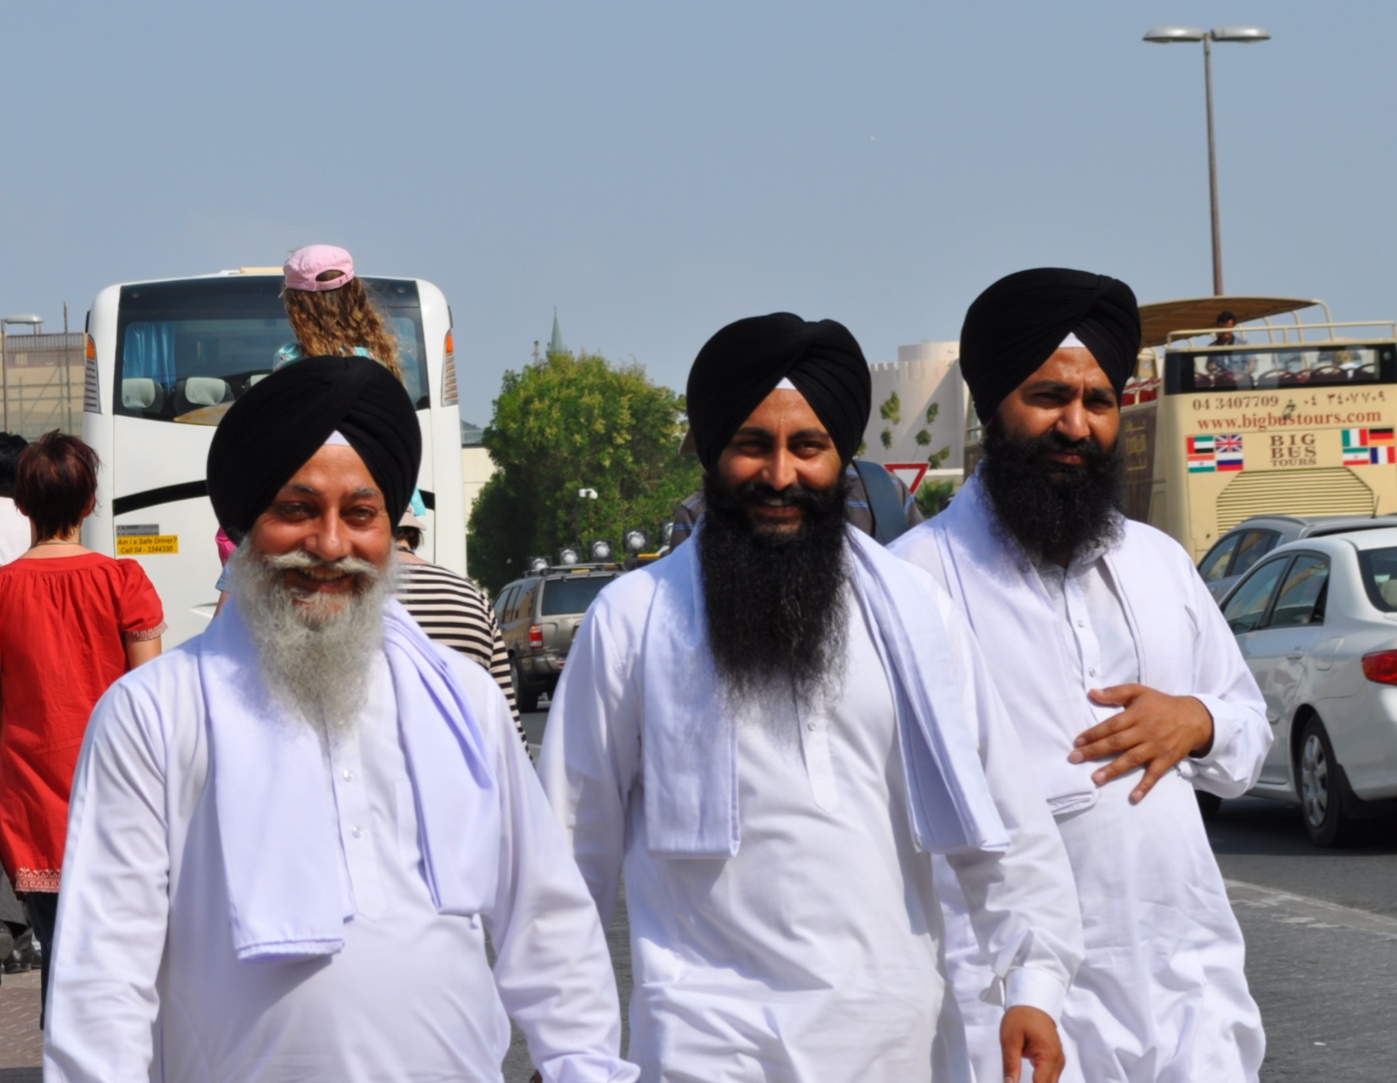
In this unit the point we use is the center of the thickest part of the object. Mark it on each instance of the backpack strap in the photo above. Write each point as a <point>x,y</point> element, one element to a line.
<point>884,500</point>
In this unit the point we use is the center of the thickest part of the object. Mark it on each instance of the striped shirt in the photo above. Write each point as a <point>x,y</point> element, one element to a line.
<point>453,612</point>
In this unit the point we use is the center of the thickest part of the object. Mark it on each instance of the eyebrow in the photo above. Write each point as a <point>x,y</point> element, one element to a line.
<point>1057,387</point>
<point>303,489</point>
<point>803,434</point>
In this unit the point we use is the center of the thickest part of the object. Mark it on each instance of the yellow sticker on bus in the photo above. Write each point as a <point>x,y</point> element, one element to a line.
<point>147,545</point>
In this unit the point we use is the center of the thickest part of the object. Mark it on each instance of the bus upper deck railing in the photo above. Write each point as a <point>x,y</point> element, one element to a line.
<point>1285,332</point>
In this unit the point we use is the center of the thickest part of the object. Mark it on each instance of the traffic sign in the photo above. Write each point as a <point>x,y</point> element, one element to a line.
<point>910,474</point>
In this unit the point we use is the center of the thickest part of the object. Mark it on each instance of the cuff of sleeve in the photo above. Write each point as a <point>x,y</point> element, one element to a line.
<point>1224,731</point>
<point>1032,988</point>
<point>147,633</point>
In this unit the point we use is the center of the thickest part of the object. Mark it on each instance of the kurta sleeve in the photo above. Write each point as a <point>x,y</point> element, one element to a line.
<point>591,750</point>
<point>1225,686</point>
<point>553,969</point>
<point>114,903</point>
<point>139,611</point>
<point>1022,903</point>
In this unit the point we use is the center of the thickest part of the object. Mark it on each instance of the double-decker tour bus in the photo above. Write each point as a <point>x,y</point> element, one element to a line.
<point>165,360</point>
<point>1291,417</point>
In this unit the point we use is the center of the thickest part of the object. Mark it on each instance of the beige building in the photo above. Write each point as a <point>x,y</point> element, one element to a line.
<point>919,409</point>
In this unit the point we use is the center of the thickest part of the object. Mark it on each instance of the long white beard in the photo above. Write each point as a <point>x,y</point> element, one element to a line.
<point>315,649</point>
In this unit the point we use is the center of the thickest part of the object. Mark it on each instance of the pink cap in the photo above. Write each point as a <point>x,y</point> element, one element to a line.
<point>305,264</point>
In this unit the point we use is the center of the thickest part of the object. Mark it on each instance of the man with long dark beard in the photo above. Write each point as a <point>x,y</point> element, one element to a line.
<point>745,729</point>
<point>289,838</point>
<point>1105,645</point>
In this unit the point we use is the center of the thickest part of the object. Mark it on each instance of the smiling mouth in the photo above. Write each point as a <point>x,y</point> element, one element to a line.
<point>319,579</point>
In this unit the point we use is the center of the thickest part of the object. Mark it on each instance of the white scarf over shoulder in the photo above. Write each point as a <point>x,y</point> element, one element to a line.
<point>287,891</point>
<point>690,743</point>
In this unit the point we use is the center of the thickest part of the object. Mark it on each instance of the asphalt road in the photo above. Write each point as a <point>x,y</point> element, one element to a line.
<point>1321,932</point>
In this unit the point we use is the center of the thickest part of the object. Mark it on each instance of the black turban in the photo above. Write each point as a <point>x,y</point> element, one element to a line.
<point>742,364</point>
<point>283,420</point>
<point>1020,321</point>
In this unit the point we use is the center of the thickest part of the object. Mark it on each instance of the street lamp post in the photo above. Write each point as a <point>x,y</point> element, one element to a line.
<point>1170,35</point>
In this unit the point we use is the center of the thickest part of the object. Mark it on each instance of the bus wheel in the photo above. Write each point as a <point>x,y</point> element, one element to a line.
<point>1320,785</point>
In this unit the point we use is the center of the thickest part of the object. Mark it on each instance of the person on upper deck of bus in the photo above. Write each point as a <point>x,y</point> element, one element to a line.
<point>71,622</point>
<point>1238,364</point>
<point>331,315</point>
<point>1105,646</point>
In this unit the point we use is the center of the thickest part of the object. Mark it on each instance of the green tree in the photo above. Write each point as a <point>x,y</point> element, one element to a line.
<point>891,410</point>
<point>567,423</point>
<point>933,496</point>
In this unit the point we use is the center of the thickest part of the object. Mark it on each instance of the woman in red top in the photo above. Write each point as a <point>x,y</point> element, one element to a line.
<point>71,622</point>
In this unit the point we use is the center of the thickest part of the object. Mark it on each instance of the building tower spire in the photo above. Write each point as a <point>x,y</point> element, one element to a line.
<point>555,344</point>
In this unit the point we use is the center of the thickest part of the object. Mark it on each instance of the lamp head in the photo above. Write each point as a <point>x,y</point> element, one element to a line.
<point>1246,34</point>
<point>1169,35</point>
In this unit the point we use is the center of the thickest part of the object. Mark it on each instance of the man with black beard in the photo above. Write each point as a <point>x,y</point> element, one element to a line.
<point>288,839</point>
<point>1105,646</point>
<point>745,729</point>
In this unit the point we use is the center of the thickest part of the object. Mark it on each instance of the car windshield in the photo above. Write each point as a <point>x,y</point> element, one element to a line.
<point>563,596</point>
<point>186,349</point>
<point>1379,567</point>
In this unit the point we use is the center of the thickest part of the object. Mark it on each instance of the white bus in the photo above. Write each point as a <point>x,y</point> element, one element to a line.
<point>165,359</point>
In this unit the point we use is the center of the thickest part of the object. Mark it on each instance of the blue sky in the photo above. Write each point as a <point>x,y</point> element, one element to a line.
<point>655,170</point>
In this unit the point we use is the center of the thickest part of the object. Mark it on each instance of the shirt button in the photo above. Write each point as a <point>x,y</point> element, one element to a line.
<point>1091,673</point>
<point>355,832</point>
<point>348,774</point>
<point>1081,624</point>
<point>810,726</point>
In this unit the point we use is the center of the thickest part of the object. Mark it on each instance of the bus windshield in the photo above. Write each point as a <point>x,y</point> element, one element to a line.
<point>1297,366</point>
<point>185,350</point>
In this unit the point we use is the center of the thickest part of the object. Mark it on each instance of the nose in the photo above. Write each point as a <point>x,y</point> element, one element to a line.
<point>331,540</point>
<point>780,469</point>
<point>1072,421</point>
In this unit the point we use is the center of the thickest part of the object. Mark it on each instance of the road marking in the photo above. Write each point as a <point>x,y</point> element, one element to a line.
<point>1291,909</point>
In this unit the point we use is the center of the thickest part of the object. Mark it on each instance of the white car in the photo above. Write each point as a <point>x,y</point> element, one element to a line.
<point>1316,621</point>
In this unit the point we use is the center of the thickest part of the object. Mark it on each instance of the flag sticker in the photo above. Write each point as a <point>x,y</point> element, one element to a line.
<point>1368,447</point>
<point>1213,452</point>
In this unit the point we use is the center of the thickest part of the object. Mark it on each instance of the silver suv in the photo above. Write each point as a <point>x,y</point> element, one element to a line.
<point>538,618</point>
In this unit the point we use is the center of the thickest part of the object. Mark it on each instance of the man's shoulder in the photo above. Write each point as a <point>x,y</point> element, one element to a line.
<point>626,600</point>
<point>173,668</point>
<point>165,692</point>
<point>1141,539</point>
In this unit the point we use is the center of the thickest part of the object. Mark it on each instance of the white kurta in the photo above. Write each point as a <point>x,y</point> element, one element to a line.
<point>14,531</point>
<point>145,973</point>
<point>813,953</point>
<point>1162,996</point>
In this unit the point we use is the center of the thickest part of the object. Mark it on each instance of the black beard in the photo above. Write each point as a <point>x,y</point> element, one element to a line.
<point>776,601</point>
<point>1051,510</point>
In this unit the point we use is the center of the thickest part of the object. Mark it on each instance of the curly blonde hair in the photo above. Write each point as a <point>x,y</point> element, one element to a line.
<point>335,321</point>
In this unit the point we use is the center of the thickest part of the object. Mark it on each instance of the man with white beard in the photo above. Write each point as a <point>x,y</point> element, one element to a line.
<point>746,729</point>
<point>289,839</point>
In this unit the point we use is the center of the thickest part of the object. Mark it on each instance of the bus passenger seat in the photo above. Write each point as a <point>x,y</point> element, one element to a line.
<point>141,393</point>
<point>199,391</point>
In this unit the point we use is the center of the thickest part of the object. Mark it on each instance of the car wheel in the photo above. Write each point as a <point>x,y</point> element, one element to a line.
<point>1208,804</point>
<point>1321,788</point>
<point>524,696</point>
